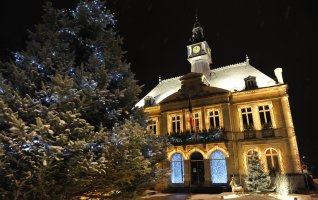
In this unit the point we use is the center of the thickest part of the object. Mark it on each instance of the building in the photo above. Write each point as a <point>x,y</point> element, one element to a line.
<point>216,118</point>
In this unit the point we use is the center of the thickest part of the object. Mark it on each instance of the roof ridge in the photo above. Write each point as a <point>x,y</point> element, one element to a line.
<point>230,66</point>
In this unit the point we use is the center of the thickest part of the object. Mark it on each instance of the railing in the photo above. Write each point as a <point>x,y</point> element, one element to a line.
<point>265,133</point>
<point>249,134</point>
<point>210,136</point>
<point>198,137</point>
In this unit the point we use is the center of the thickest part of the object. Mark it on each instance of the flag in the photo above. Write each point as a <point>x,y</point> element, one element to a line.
<point>190,114</point>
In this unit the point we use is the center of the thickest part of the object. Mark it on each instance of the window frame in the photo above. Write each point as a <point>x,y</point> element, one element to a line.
<point>216,160</point>
<point>171,122</point>
<point>271,155</point>
<point>256,115</point>
<point>268,123</point>
<point>197,121</point>
<point>182,168</point>
<point>249,117</point>
<point>152,127</point>
<point>207,116</point>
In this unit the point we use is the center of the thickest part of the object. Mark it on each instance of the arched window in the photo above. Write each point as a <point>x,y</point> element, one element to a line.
<point>218,167</point>
<point>249,155</point>
<point>177,168</point>
<point>272,159</point>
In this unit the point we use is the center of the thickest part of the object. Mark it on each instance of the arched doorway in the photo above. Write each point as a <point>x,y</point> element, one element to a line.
<point>197,169</point>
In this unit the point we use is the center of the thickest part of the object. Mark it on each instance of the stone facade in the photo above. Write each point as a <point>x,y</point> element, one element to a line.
<point>235,110</point>
<point>275,142</point>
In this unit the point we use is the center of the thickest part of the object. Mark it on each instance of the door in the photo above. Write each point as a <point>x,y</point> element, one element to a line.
<point>197,169</point>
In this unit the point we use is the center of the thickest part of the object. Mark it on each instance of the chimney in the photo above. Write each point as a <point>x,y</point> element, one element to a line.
<point>279,76</point>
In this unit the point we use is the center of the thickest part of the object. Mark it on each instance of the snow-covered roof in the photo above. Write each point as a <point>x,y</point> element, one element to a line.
<point>229,77</point>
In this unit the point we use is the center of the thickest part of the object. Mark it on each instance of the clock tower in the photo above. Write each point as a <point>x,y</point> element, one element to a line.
<point>199,52</point>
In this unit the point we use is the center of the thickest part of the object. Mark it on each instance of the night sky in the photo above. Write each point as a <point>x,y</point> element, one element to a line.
<point>272,33</point>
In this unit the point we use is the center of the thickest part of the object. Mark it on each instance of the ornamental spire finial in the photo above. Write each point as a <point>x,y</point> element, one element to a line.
<point>247,59</point>
<point>196,16</point>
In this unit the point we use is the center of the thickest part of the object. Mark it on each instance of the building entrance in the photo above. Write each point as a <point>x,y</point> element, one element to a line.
<point>197,169</point>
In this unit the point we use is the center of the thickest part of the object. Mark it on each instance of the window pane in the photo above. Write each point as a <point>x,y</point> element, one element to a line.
<point>217,121</point>
<point>268,117</point>
<point>217,155</point>
<point>177,169</point>
<point>262,117</point>
<point>212,125</point>
<point>244,120</point>
<point>218,167</point>
<point>178,126</point>
<point>250,119</point>
<point>269,162</point>
<point>154,129</point>
<point>276,164</point>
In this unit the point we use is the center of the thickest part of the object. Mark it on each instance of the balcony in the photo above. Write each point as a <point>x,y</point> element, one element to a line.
<point>267,133</point>
<point>253,134</point>
<point>249,134</point>
<point>198,137</point>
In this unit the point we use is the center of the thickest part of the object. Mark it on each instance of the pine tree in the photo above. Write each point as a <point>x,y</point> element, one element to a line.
<point>68,124</point>
<point>257,180</point>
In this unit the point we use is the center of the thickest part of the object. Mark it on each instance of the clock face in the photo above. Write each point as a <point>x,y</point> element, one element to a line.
<point>196,49</point>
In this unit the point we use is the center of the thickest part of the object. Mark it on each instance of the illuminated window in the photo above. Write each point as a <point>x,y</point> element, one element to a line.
<point>247,118</point>
<point>152,127</point>
<point>214,119</point>
<point>272,159</point>
<point>177,168</point>
<point>196,122</point>
<point>176,124</point>
<point>218,167</point>
<point>265,116</point>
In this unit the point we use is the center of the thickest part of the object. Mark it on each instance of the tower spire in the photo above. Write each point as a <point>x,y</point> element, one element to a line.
<point>199,52</point>
<point>197,31</point>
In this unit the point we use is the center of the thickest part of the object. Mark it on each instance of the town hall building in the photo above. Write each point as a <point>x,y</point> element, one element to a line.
<point>217,117</point>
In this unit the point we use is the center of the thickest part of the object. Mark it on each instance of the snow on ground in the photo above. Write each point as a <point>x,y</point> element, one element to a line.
<point>229,195</point>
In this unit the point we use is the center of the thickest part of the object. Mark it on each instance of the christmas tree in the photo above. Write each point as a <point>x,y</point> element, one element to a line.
<point>68,125</point>
<point>256,180</point>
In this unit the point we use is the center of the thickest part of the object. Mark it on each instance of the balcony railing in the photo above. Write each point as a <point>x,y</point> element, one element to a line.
<point>198,137</point>
<point>249,134</point>
<point>265,133</point>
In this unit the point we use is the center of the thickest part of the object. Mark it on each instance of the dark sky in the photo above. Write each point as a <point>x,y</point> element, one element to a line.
<point>273,34</point>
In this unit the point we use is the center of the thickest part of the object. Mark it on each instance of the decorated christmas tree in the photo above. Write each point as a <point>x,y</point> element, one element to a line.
<point>257,180</point>
<point>68,125</point>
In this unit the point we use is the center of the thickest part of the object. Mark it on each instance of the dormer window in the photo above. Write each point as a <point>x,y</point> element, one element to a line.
<point>250,83</point>
<point>149,101</point>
